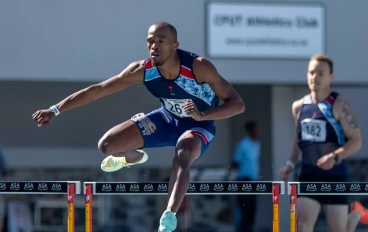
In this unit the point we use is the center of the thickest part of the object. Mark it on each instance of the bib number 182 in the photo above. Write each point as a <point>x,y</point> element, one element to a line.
<point>313,129</point>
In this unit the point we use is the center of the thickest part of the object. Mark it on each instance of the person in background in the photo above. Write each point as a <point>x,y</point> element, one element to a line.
<point>246,161</point>
<point>327,134</point>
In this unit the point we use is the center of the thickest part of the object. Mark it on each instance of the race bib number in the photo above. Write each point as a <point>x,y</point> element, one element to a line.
<point>176,107</point>
<point>313,130</point>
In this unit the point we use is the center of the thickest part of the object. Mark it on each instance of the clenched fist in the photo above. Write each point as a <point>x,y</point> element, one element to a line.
<point>285,172</point>
<point>326,162</point>
<point>191,109</point>
<point>43,117</point>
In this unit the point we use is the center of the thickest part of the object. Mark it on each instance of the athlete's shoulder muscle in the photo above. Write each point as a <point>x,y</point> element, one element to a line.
<point>134,72</point>
<point>205,71</point>
<point>296,107</point>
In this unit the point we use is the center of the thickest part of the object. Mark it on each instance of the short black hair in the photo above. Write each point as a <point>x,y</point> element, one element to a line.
<point>249,126</point>
<point>168,26</point>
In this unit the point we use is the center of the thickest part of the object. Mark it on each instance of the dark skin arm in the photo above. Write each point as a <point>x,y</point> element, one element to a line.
<point>130,75</point>
<point>205,71</point>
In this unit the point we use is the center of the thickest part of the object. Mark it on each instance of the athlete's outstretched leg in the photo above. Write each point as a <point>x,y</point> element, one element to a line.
<point>187,151</point>
<point>122,141</point>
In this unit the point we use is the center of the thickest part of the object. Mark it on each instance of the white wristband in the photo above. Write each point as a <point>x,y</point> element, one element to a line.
<point>55,110</point>
<point>291,164</point>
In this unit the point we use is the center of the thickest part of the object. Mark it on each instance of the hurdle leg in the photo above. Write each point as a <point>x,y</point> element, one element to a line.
<point>276,207</point>
<point>71,207</point>
<point>293,207</point>
<point>88,207</point>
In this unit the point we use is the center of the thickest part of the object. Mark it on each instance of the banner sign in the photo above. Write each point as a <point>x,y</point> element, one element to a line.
<point>260,30</point>
<point>333,188</point>
<point>194,188</point>
<point>32,187</point>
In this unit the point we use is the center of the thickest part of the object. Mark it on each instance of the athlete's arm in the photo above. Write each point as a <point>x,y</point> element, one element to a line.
<point>286,170</point>
<point>295,108</point>
<point>205,71</point>
<point>344,114</point>
<point>130,75</point>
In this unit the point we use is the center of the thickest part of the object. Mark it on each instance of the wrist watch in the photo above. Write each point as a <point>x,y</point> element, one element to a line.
<point>336,157</point>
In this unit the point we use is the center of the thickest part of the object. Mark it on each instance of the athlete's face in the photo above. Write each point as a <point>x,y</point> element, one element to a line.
<point>319,76</point>
<point>161,44</point>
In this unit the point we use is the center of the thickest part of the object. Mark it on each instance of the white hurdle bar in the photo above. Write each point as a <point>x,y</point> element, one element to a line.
<point>320,188</point>
<point>71,188</point>
<point>274,188</point>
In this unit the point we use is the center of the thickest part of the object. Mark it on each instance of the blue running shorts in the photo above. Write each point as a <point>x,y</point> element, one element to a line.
<point>160,129</point>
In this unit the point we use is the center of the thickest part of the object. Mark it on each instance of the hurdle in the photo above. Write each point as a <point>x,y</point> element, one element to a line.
<point>320,188</point>
<point>71,188</point>
<point>274,188</point>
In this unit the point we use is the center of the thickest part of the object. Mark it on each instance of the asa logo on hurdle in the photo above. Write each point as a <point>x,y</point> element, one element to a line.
<point>204,187</point>
<point>311,188</point>
<point>106,188</point>
<point>247,187</point>
<point>28,186</point>
<point>191,188</point>
<point>232,188</point>
<point>218,187</point>
<point>56,187</point>
<point>261,187</point>
<point>355,187</point>
<point>42,187</point>
<point>134,188</point>
<point>162,188</point>
<point>14,186</point>
<point>120,188</point>
<point>148,188</point>
<point>340,188</point>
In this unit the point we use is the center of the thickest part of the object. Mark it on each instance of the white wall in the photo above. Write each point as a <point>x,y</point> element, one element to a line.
<point>92,39</point>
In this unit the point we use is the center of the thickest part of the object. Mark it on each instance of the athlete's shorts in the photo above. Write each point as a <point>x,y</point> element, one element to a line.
<point>160,129</point>
<point>325,199</point>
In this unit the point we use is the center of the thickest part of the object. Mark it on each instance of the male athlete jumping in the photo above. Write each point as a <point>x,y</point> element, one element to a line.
<point>327,135</point>
<point>189,89</point>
